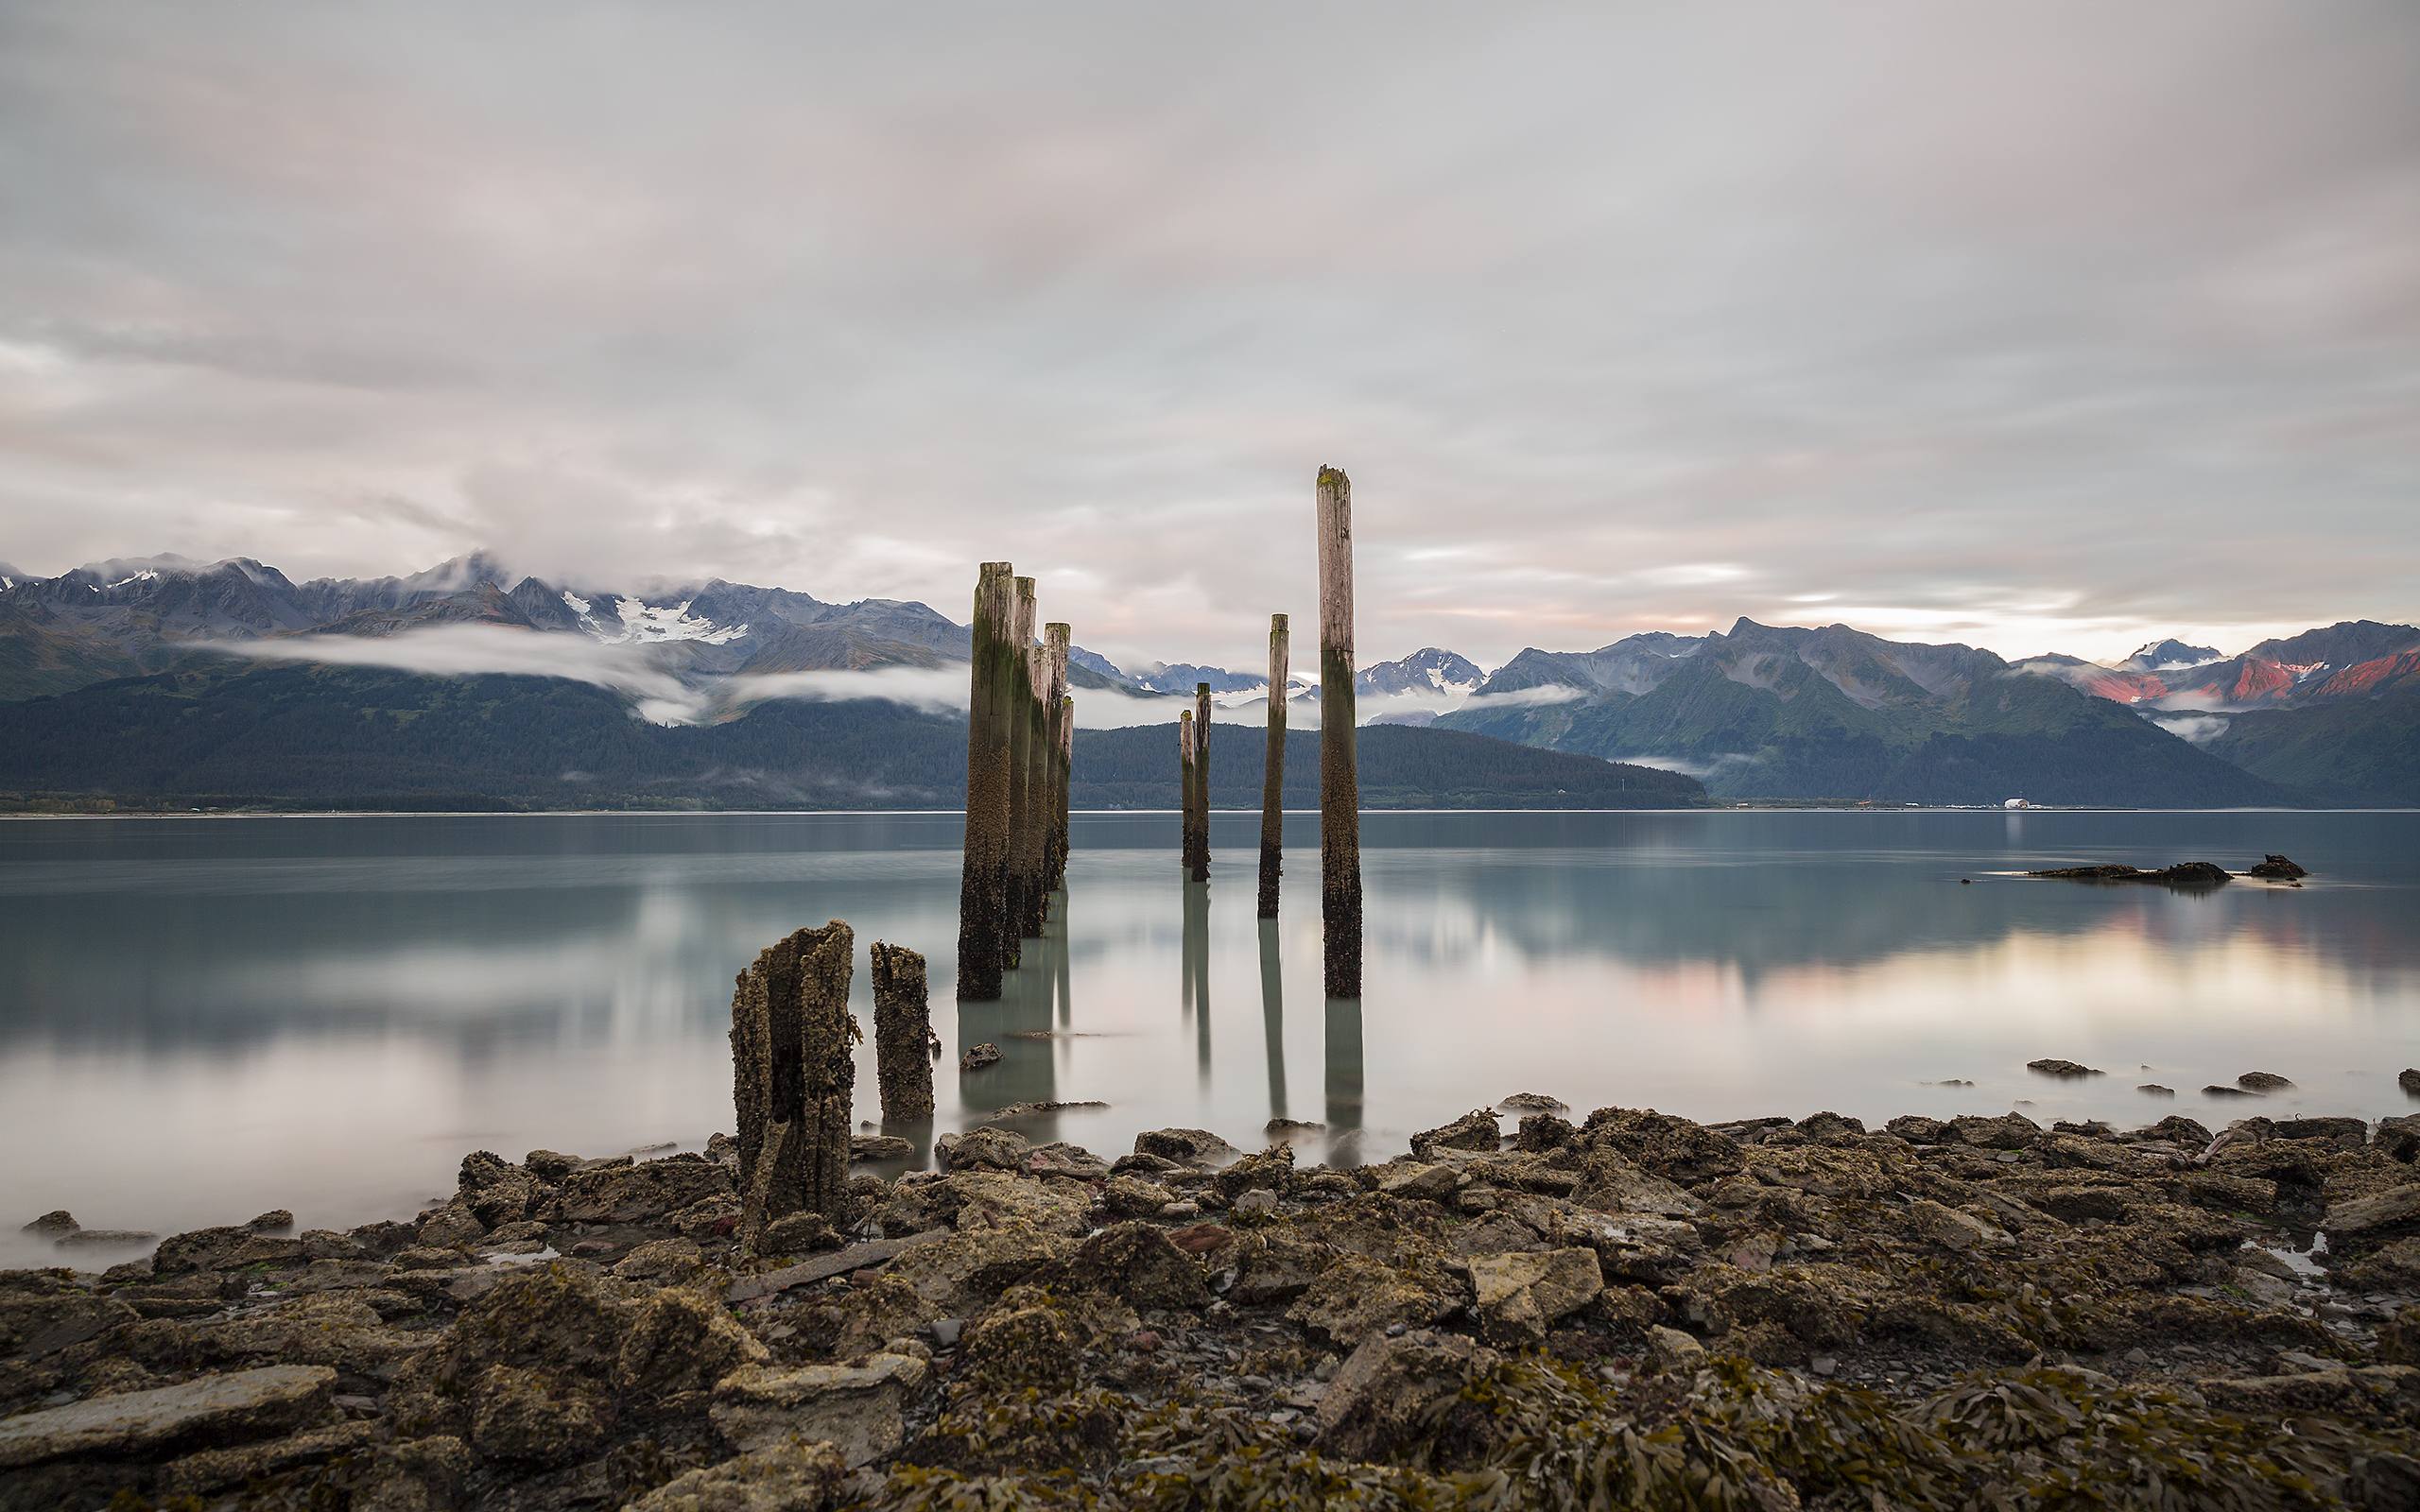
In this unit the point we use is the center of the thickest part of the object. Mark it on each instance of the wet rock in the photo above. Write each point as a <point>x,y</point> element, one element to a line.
<point>1288,1128</point>
<point>1357,1297</point>
<point>1391,1394</point>
<point>2277,868</point>
<point>1137,1262</point>
<point>2409,1079</point>
<point>2065,1069</point>
<point>1664,1146</point>
<point>2385,1213</point>
<point>2263,1081</point>
<point>978,1056</point>
<point>218,1469</point>
<point>671,1261</point>
<point>1072,1162</point>
<point>198,1249</point>
<point>450,1226</point>
<point>333,1329</point>
<point>535,1415</point>
<point>1541,1132</point>
<point>960,1273</point>
<point>2155,1090</point>
<point>982,1149</point>
<point>1673,1349</point>
<point>1830,1127</point>
<point>1952,1229</point>
<point>2398,1139</point>
<point>2010,1131</point>
<point>215,1410</point>
<point>42,1312</point>
<point>53,1224</point>
<point>1534,1103</point>
<point>1417,1181</point>
<point>857,1409</point>
<point>2181,1130</point>
<point>2344,1133</point>
<point>1918,1130</point>
<point>2215,1089</point>
<point>1518,1296</point>
<point>1611,1183</point>
<point>880,1147</point>
<point>1475,1130</point>
<point>793,1477</point>
<point>680,1342</point>
<point>549,1166</point>
<point>645,1191</point>
<point>1271,1171</point>
<point>1185,1146</point>
<point>797,1233</point>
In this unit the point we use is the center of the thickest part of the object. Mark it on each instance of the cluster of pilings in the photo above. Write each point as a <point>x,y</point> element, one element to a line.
<point>794,1075</point>
<point>1020,725</point>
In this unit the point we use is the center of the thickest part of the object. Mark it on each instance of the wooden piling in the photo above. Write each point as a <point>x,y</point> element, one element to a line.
<point>1201,782</point>
<point>792,1075</point>
<point>1033,841</point>
<point>1056,639</point>
<point>1184,791</point>
<point>1339,780</point>
<point>1272,775</point>
<point>1020,717</point>
<point>902,1026</point>
<point>1066,780</point>
<point>984,881</point>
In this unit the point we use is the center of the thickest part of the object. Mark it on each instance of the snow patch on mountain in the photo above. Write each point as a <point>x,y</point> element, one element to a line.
<point>646,624</point>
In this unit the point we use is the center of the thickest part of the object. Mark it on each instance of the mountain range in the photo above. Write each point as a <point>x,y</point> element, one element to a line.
<point>2331,715</point>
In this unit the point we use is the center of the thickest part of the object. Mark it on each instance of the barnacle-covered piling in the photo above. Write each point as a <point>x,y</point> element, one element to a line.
<point>903,1027</point>
<point>1019,713</point>
<point>792,1075</point>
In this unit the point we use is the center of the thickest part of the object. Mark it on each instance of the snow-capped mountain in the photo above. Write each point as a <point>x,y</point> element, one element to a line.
<point>2170,656</point>
<point>1430,669</point>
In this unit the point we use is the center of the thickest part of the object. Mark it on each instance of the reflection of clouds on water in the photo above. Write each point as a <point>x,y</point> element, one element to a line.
<point>228,1022</point>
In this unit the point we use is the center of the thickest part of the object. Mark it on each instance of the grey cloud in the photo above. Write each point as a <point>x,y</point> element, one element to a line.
<point>2060,327</point>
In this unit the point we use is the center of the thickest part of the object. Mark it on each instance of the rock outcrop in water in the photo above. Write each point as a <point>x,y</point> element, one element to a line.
<point>2184,874</point>
<point>2277,868</point>
<point>792,1075</point>
<point>1632,1311</point>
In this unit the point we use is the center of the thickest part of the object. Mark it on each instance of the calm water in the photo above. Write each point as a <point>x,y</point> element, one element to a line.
<point>203,1019</point>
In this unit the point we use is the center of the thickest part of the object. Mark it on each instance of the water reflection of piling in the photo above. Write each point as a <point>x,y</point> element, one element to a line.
<point>1020,1025</point>
<point>981,902</point>
<point>1272,1018</point>
<point>1339,780</point>
<point>1343,1065</point>
<point>1197,971</point>
<point>1272,775</point>
<point>1062,980</point>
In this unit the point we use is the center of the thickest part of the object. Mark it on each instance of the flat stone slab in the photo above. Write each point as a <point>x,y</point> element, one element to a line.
<point>839,1262</point>
<point>240,1404</point>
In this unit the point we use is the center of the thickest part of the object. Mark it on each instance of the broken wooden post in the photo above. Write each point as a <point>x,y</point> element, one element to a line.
<point>1201,782</point>
<point>1185,790</point>
<point>983,883</point>
<point>903,1027</point>
<point>792,1075</point>
<point>1339,781</point>
<point>1056,638</point>
<point>1272,775</point>
<point>1020,716</point>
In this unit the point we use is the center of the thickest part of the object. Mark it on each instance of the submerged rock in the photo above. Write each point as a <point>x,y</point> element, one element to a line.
<point>2184,874</point>
<point>2063,1069</point>
<point>2263,1081</point>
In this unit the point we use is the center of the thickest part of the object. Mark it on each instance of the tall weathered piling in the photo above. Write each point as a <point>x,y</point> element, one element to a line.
<point>1020,717</point>
<point>1185,763</point>
<point>1273,774</point>
<point>983,883</point>
<point>1201,782</point>
<point>903,1027</point>
<point>1066,781</point>
<point>1339,780</point>
<point>792,1075</point>
<point>1033,841</point>
<point>1056,638</point>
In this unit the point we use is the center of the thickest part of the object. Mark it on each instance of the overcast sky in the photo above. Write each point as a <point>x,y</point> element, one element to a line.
<point>2036,326</point>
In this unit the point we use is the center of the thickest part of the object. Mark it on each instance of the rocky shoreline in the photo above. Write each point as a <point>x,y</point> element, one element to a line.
<point>1630,1310</point>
